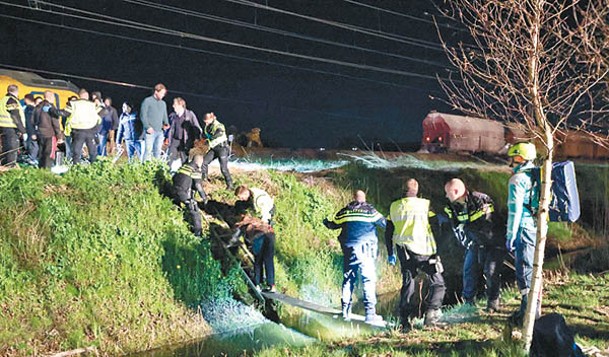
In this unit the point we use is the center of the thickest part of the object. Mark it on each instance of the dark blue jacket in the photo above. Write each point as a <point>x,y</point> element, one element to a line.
<point>358,222</point>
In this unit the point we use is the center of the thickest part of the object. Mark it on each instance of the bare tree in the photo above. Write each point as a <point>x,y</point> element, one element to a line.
<point>541,63</point>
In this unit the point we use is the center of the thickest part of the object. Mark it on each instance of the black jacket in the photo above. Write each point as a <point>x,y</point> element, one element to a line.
<point>475,216</point>
<point>46,120</point>
<point>187,179</point>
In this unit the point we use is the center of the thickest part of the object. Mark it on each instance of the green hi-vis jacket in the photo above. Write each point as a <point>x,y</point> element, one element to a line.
<point>215,134</point>
<point>11,113</point>
<point>408,225</point>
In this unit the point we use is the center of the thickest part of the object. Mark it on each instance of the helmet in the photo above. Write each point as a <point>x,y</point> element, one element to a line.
<point>526,150</point>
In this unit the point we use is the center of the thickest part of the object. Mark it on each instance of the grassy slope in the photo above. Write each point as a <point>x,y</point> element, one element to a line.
<point>98,257</point>
<point>145,269</point>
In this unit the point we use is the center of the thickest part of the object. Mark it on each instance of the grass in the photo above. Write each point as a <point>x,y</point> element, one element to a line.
<point>98,257</point>
<point>476,333</point>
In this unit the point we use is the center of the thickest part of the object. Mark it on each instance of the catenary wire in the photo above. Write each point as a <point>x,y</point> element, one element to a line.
<point>188,12</point>
<point>411,17</point>
<point>388,36</point>
<point>114,21</point>
<point>181,47</point>
<point>139,86</point>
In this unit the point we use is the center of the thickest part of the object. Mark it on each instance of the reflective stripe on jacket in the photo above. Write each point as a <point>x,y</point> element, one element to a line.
<point>6,107</point>
<point>410,217</point>
<point>475,216</point>
<point>358,221</point>
<point>215,134</point>
<point>84,114</point>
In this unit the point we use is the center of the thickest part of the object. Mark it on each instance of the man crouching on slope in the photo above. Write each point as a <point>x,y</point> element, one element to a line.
<point>358,221</point>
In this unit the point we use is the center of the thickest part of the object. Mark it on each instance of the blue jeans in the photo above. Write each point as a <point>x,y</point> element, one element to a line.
<point>525,253</point>
<point>360,257</point>
<point>135,147</point>
<point>154,143</point>
<point>103,141</point>
<point>490,259</point>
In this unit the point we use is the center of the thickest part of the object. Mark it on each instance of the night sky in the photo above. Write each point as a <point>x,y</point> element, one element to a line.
<point>297,102</point>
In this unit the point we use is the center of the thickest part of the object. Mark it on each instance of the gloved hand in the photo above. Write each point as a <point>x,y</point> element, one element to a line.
<point>510,245</point>
<point>391,260</point>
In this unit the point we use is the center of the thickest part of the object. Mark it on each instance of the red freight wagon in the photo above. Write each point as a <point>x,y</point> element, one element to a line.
<point>448,132</point>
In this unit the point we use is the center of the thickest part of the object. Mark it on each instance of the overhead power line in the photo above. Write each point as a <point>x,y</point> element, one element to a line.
<point>115,21</point>
<point>185,93</point>
<point>411,17</point>
<point>197,14</point>
<point>388,36</point>
<point>198,50</point>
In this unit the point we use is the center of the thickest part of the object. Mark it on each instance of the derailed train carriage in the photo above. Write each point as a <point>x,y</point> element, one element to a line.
<point>455,133</point>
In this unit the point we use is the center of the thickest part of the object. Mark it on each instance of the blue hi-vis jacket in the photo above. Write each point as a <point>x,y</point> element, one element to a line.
<point>520,193</point>
<point>358,221</point>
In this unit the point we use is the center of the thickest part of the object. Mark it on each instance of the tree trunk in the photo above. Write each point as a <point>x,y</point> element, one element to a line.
<point>534,297</point>
<point>545,133</point>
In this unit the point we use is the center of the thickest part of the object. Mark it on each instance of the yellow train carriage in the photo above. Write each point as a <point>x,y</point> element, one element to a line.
<point>32,83</point>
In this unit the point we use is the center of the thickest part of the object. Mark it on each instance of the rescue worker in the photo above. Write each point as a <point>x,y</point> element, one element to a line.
<point>186,182</point>
<point>215,134</point>
<point>12,125</point>
<point>184,131</point>
<point>358,221</point>
<point>471,216</point>
<point>260,236</point>
<point>257,200</point>
<point>409,229</point>
<point>82,126</point>
<point>521,236</point>
<point>47,129</point>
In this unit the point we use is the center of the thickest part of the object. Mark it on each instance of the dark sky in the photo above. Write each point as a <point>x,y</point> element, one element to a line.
<point>297,102</point>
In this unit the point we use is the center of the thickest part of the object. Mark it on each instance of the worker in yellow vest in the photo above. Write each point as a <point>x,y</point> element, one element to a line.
<point>12,125</point>
<point>409,229</point>
<point>82,124</point>
<point>215,135</point>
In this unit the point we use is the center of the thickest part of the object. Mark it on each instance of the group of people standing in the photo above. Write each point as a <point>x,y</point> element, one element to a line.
<point>410,228</point>
<point>43,129</point>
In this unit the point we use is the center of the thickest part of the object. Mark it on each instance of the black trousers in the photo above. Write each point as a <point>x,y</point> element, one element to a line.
<point>46,148</point>
<point>177,151</point>
<point>409,263</point>
<point>10,144</point>
<point>192,215</point>
<point>221,153</point>
<point>264,252</point>
<point>80,137</point>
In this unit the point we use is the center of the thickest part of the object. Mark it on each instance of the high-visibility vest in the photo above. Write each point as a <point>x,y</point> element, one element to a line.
<point>211,129</point>
<point>83,114</point>
<point>410,217</point>
<point>6,121</point>
<point>263,203</point>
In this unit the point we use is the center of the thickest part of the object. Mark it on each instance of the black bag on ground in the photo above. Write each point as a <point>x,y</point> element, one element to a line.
<point>552,337</point>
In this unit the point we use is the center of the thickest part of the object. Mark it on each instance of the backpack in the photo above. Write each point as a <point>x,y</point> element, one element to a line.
<point>564,201</point>
<point>552,337</point>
